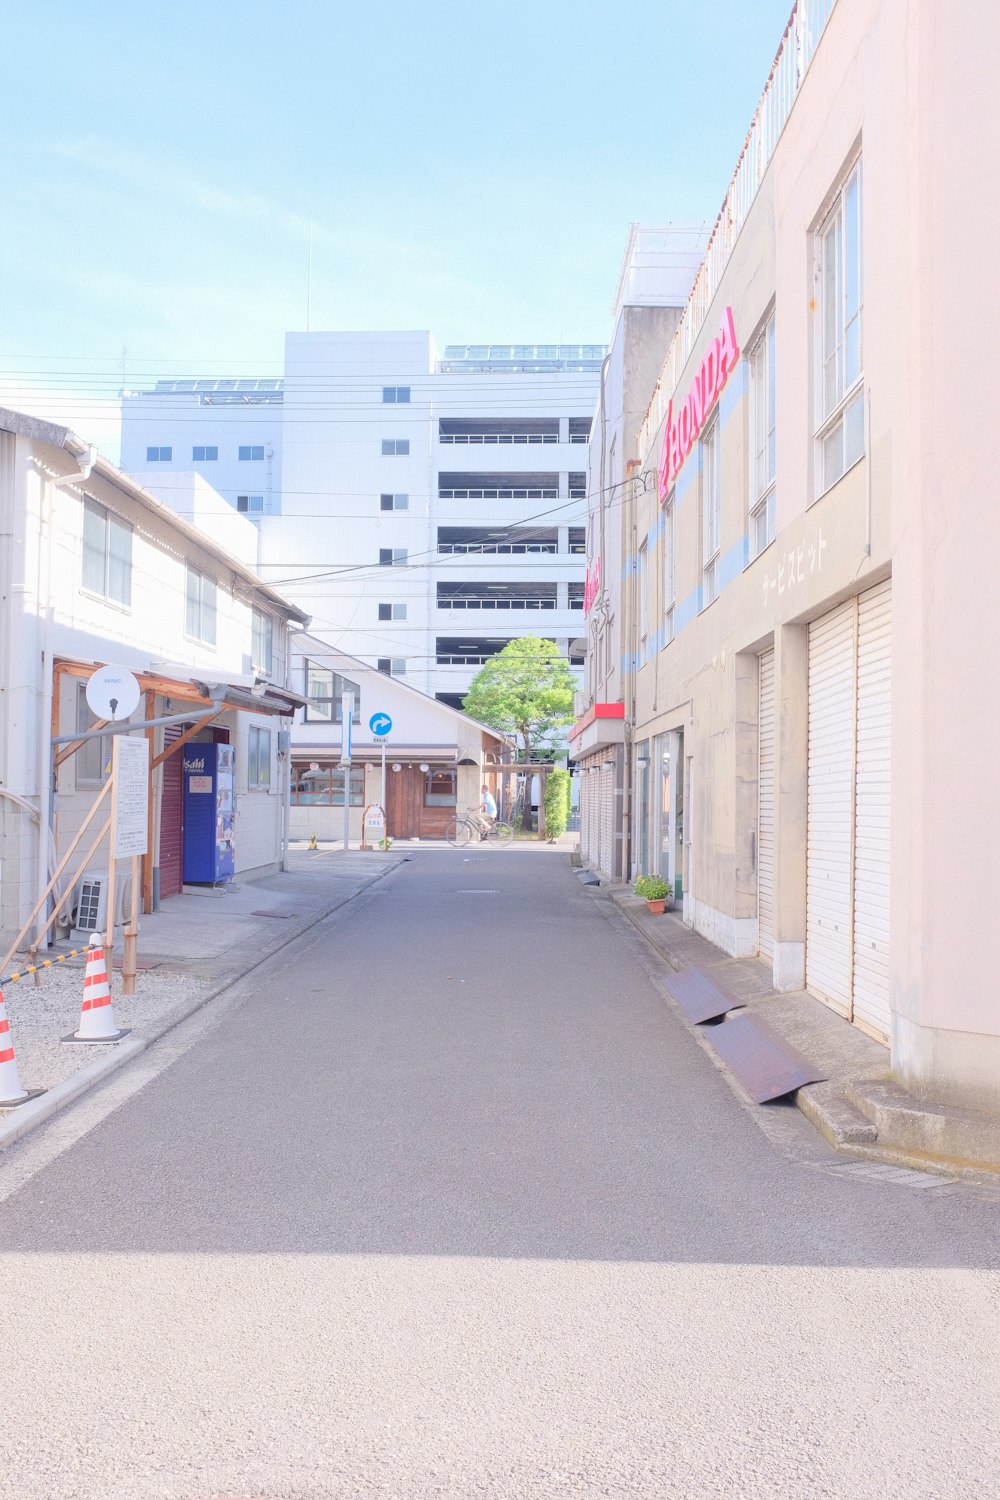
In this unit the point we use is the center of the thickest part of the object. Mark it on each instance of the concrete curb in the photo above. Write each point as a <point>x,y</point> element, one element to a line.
<point>860,1115</point>
<point>25,1117</point>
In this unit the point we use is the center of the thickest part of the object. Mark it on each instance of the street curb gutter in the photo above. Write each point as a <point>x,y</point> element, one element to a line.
<point>37,1111</point>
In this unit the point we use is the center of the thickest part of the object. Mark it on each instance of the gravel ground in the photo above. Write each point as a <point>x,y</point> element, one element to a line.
<point>40,1015</point>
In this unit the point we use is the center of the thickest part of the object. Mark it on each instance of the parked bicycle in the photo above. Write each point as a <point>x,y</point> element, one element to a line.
<point>463,831</point>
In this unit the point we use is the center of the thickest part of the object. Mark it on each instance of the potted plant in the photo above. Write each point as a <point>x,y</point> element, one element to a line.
<point>654,891</point>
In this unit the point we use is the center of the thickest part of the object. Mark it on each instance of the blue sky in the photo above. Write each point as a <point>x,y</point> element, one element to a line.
<point>471,170</point>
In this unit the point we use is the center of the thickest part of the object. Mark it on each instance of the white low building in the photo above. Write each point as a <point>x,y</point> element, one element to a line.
<point>436,759</point>
<point>95,570</point>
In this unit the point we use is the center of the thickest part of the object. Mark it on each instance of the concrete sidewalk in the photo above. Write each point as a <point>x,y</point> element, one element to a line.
<point>859,1109</point>
<point>192,949</point>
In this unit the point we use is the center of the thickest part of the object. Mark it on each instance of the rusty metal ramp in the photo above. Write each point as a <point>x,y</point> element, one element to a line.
<point>699,997</point>
<point>767,1066</point>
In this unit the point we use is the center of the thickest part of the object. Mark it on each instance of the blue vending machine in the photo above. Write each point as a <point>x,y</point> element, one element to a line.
<point>209,804</point>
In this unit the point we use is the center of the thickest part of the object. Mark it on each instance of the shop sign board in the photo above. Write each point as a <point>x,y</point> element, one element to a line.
<point>681,431</point>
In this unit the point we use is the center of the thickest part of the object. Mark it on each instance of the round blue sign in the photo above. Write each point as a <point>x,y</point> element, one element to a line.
<point>380,724</point>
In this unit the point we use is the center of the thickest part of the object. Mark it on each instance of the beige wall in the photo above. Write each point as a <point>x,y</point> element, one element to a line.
<point>900,79</point>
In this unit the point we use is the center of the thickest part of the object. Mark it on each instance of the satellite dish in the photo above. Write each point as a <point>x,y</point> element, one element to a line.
<point>112,693</point>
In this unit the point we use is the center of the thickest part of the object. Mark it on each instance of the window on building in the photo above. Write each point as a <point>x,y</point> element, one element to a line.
<point>762,441</point>
<point>392,666</point>
<point>204,455</point>
<point>159,455</point>
<point>392,611</point>
<point>395,395</point>
<point>200,607</point>
<point>251,453</point>
<point>642,592</point>
<point>259,757</point>
<point>440,788</point>
<point>262,641</point>
<point>107,554</point>
<point>394,502</point>
<point>840,438</point>
<point>322,785</point>
<point>392,557</point>
<point>93,759</point>
<point>669,580</point>
<point>711,508</point>
<point>248,504</point>
<point>325,690</point>
<point>395,446</point>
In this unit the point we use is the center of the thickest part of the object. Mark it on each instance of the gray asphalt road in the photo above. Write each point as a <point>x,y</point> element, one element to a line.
<point>450,1205</point>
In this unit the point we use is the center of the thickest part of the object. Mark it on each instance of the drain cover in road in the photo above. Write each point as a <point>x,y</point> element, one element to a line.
<point>767,1066</point>
<point>699,997</point>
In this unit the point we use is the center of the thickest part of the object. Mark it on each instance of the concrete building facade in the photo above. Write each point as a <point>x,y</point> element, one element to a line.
<point>423,510</point>
<point>811,576</point>
<point>94,570</point>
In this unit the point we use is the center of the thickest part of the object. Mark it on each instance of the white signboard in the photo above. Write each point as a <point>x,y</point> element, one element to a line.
<point>374,816</point>
<point>130,770</point>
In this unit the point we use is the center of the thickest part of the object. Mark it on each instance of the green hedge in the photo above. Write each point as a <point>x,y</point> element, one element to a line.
<point>557,803</point>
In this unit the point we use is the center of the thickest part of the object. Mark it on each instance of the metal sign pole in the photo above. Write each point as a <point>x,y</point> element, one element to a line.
<point>383,788</point>
<point>346,718</point>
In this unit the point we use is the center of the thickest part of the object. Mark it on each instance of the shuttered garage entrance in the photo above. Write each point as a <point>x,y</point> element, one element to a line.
<point>847,881</point>
<point>765,810</point>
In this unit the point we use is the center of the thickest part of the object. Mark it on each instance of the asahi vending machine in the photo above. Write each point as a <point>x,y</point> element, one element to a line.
<point>209,806</point>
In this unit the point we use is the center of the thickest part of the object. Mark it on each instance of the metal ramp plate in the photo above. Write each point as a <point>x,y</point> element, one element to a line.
<point>767,1066</point>
<point>699,997</point>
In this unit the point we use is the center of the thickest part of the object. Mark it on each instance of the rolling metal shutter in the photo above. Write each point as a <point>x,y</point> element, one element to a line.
<point>171,811</point>
<point>765,809</point>
<point>830,806</point>
<point>871,839</point>
<point>607,784</point>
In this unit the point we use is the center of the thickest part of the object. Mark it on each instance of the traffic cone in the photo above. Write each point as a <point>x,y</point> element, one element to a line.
<point>11,1091</point>
<point>97,1021</point>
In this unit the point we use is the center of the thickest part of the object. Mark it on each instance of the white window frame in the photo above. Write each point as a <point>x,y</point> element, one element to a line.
<point>763,440</point>
<point>262,640</point>
<point>395,395</point>
<point>669,568</point>
<point>395,447</point>
<point>115,549</point>
<point>259,759</point>
<point>711,513</point>
<point>398,559</point>
<point>392,666</point>
<point>204,453</point>
<point>159,455</point>
<point>92,761</point>
<point>395,502</point>
<point>396,611</point>
<point>642,594</point>
<point>250,453</point>
<point>205,598</point>
<point>839,277</point>
<point>250,505</point>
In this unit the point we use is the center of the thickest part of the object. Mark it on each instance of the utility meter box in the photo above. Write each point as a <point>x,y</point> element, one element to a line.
<point>209,808</point>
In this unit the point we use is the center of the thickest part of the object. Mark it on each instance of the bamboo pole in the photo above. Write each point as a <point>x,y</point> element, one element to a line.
<point>49,888</point>
<point>104,831</point>
<point>131,933</point>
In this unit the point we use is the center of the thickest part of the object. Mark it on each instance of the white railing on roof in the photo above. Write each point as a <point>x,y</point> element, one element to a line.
<point>805,27</point>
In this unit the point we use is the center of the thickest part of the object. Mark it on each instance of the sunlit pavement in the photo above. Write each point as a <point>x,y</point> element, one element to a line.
<point>449,1204</point>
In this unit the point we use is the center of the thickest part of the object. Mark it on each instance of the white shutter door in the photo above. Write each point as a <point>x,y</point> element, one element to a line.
<point>871,839</point>
<point>607,819</point>
<point>765,810</point>
<point>830,806</point>
<point>586,814</point>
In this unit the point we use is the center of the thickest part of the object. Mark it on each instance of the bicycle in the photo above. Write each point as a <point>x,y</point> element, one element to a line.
<point>463,831</point>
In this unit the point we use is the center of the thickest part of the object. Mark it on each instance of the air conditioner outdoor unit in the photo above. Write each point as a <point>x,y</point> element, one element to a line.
<point>90,906</point>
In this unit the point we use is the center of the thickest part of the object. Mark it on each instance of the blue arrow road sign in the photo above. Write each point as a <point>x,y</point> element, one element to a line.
<point>380,724</point>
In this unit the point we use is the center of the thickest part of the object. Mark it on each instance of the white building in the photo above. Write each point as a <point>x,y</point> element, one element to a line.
<point>430,509</point>
<point>435,759</point>
<point>95,570</point>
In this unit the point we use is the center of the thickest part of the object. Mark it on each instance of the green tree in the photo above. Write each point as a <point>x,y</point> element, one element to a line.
<point>526,689</point>
<point>557,802</point>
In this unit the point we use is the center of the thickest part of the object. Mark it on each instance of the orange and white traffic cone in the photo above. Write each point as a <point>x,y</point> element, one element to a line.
<point>11,1091</point>
<point>97,1020</point>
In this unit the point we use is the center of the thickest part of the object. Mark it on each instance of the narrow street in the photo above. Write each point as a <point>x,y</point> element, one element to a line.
<point>448,1203</point>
